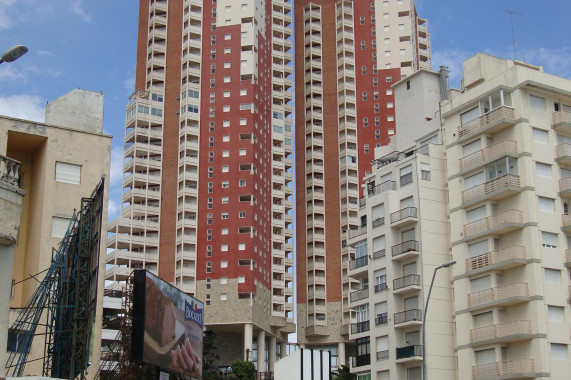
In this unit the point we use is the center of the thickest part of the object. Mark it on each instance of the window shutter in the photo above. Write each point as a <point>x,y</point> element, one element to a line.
<point>59,226</point>
<point>472,147</point>
<point>68,173</point>
<point>474,180</point>
<point>382,343</point>
<point>548,239</point>
<point>552,276</point>
<point>378,211</point>
<point>555,314</point>
<point>539,136</point>
<point>476,214</point>
<point>546,205</point>
<point>485,356</point>
<point>478,248</point>
<point>481,283</point>
<point>542,170</point>
<point>469,115</point>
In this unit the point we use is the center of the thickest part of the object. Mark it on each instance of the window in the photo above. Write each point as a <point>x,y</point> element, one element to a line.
<point>546,205</point>
<point>539,135</point>
<point>223,280</point>
<point>242,152</point>
<point>68,173</point>
<point>387,41</point>
<point>242,214</point>
<point>390,105</point>
<point>425,171</point>
<point>225,184</point>
<point>224,231</point>
<point>389,91</point>
<point>225,169</point>
<point>243,92</point>
<point>548,239</point>
<point>552,276</point>
<point>224,248</point>
<point>406,175</point>
<point>380,280</point>
<point>16,339</point>
<point>241,279</point>
<point>556,314</point>
<point>224,264</point>
<point>387,53</point>
<point>224,215</point>
<point>390,118</point>
<point>542,170</point>
<point>242,247</point>
<point>536,103</point>
<point>226,79</point>
<point>226,138</point>
<point>59,226</point>
<point>227,50</point>
<point>558,351</point>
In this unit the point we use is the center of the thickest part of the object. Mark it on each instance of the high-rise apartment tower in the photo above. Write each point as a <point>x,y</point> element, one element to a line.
<point>208,186</point>
<point>348,54</point>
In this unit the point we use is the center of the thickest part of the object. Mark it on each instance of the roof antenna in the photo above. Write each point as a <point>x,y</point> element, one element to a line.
<point>512,13</point>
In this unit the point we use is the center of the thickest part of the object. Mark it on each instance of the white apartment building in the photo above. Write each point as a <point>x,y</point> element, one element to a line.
<point>403,236</point>
<point>507,144</point>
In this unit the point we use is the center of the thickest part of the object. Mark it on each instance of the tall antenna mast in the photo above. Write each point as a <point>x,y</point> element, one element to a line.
<point>512,13</point>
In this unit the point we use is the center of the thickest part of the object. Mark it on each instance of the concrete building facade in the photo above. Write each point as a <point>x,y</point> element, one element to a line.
<point>349,53</point>
<point>208,170</point>
<point>62,160</point>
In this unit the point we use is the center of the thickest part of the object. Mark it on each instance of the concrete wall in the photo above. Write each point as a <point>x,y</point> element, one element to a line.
<point>78,109</point>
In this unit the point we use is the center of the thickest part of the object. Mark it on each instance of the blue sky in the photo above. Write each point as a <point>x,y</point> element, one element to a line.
<point>92,45</point>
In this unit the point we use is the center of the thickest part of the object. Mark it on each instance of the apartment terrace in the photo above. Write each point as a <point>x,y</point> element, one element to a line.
<point>490,122</point>
<point>360,327</point>
<point>506,369</point>
<point>504,222</point>
<point>359,295</point>
<point>563,154</point>
<point>562,121</point>
<point>405,250</point>
<point>565,187</point>
<point>408,354</point>
<point>502,333</point>
<point>508,257</point>
<point>406,284</point>
<point>489,154</point>
<point>508,294</point>
<point>568,258</point>
<point>497,188</point>
<point>404,217</point>
<point>407,318</point>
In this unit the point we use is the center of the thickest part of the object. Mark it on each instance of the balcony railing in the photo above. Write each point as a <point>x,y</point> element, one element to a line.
<point>563,150</point>
<point>567,257</point>
<point>407,212</point>
<point>378,222</point>
<point>381,287</point>
<point>485,121</point>
<point>490,222</point>
<point>487,259</point>
<point>409,351</point>
<point>501,330</point>
<point>565,186</point>
<point>358,262</point>
<point>359,295</point>
<point>496,150</point>
<point>382,319</point>
<point>505,182</point>
<point>407,246</point>
<point>560,117</point>
<point>504,368</point>
<point>408,316</point>
<point>10,170</point>
<point>382,355</point>
<point>379,254</point>
<point>360,327</point>
<point>382,187</point>
<point>357,232</point>
<point>403,282</point>
<point>566,220</point>
<point>516,289</point>
<point>361,360</point>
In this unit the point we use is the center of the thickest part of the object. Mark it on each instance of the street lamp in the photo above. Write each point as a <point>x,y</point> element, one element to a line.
<point>13,54</point>
<point>445,265</point>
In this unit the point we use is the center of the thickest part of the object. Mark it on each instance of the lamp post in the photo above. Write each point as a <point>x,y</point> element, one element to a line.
<point>445,265</point>
<point>13,54</point>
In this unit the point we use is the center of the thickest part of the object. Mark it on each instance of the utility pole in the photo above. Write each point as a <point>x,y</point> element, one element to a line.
<point>512,13</point>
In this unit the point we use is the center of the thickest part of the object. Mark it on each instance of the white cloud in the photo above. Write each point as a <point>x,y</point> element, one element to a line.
<point>77,8</point>
<point>452,58</point>
<point>43,53</point>
<point>129,85</point>
<point>554,61</point>
<point>116,170</point>
<point>6,19</point>
<point>112,209</point>
<point>28,107</point>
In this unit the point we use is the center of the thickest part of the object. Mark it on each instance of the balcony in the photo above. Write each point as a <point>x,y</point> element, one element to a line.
<point>360,327</point>
<point>359,295</point>
<point>491,153</point>
<point>563,154</point>
<point>378,222</point>
<point>361,360</point>
<point>508,294</point>
<point>565,187</point>
<point>381,287</point>
<point>505,222</point>
<point>405,250</point>
<point>379,254</point>
<point>506,369</point>
<point>566,220</point>
<point>357,232</point>
<point>409,353</point>
<point>505,258</point>
<point>10,171</point>
<point>501,333</point>
<point>358,262</point>
<point>497,188</point>
<point>383,355</point>
<point>404,217</point>
<point>381,319</point>
<point>407,318</point>
<point>381,188</point>
<point>562,121</point>
<point>490,122</point>
<point>568,258</point>
<point>406,284</point>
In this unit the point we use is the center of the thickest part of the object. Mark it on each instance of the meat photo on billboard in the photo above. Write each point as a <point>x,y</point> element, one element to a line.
<point>173,329</point>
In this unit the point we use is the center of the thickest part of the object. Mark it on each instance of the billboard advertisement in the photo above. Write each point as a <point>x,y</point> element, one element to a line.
<point>167,326</point>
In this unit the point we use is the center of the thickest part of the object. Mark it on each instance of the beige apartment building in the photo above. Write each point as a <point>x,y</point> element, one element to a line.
<point>493,196</point>
<point>507,139</point>
<point>402,237</point>
<point>61,161</point>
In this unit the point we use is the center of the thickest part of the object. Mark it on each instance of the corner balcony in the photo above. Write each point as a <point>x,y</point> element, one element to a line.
<point>382,187</point>
<point>504,295</point>
<point>512,331</point>
<point>406,284</point>
<point>506,369</point>
<point>497,188</point>
<point>360,327</point>
<point>562,121</point>
<point>566,220</point>
<point>505,258</point>
<point>505,222</point>
<point>357,266</point>
<point>404,217</point>
<point>360,360</point>
<point>489,154</point>
<point>490,122</point>
<point>359,295</point>
<point>405,250</point>
<point>412,317</point>
<point>565,188</point>
<point>563,154</point>
<point>409,354</point>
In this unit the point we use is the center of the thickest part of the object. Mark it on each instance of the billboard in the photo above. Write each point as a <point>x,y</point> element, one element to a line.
<point>167,326</point>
